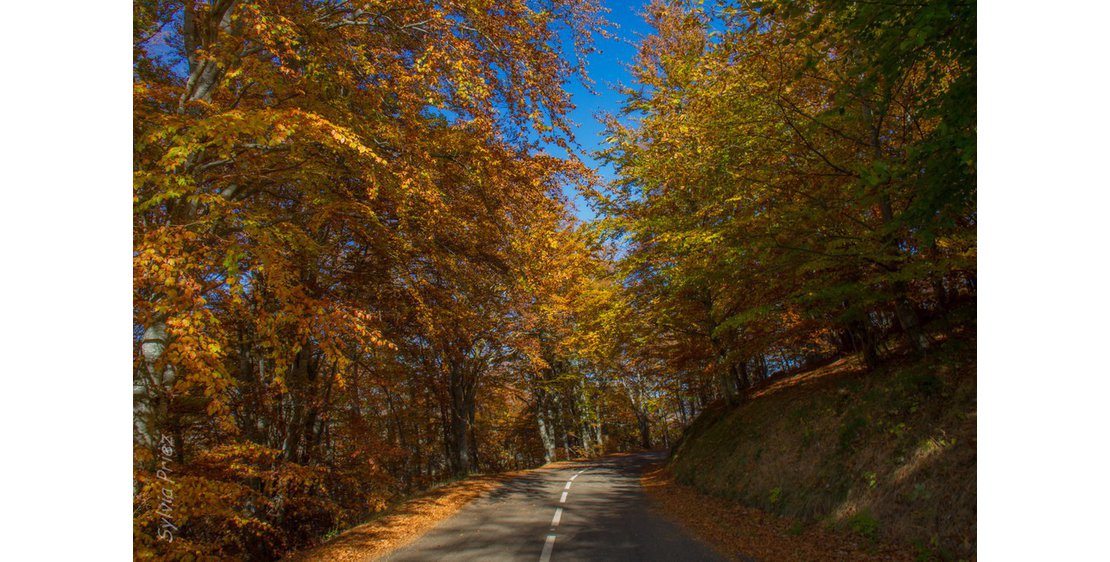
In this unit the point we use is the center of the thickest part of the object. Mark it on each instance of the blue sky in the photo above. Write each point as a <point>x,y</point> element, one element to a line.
<point>607,68</point>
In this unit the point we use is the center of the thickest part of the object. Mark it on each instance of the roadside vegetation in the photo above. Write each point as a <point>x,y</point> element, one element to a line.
<point>357,273</point>
<point>888,456</point>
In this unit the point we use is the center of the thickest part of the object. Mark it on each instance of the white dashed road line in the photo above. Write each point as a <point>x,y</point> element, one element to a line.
<point>549,544</point>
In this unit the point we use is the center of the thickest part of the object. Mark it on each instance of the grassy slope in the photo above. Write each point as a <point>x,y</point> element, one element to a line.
<point>888,454</point>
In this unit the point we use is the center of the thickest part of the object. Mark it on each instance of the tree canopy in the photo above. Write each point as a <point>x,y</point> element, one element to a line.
<point>356,272</point>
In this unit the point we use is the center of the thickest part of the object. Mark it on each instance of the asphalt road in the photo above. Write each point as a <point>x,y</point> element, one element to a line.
<point>586,511</point>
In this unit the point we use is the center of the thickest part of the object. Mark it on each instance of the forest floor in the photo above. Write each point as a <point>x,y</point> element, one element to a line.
<point>743,533</point>
<point>406,521</point>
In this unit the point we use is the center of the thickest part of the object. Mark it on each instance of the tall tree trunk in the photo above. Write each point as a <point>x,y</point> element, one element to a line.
<point>461,418</point>
<point>319,413</point>
<point>645,429</point>
<point>301,391</point>
<point>865,337</point>
<point>740,374</point>
<point>726,375</point>
<point>545,431</point>
<point>472,433</point>
<point>150,407</point>
<point>907,318</point>
<point>559,419</point>
<point>150,403</point>
<point>584,419</point>
<point>597,427</point>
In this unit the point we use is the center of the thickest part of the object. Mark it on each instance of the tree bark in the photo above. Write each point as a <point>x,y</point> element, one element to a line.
<point>725,373</point>
<point>150,402</point>
<point>545,431</point>
<point>907,318</point>
<point>865,338</point>
<point>645,430</point>
<point>461,418</point>
<point>584,419</point>
<point>560,428</point>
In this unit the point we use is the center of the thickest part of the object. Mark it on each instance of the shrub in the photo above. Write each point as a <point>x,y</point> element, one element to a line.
<point>864,524</point>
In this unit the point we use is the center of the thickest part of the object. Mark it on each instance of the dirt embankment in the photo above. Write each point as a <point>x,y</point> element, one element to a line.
<point>885,460</point>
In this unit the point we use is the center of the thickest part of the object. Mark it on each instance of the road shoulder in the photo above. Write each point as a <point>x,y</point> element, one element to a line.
<point>405,522</point>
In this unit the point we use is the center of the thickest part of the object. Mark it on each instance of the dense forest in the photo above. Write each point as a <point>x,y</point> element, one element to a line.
<point>357,273</point>
<point>799,182</point>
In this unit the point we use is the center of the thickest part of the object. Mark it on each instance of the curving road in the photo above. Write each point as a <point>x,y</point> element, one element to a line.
<point>580,511</point>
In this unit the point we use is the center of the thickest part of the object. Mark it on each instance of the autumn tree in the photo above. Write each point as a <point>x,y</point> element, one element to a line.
<point>780,179</point>
<point>332,206</point>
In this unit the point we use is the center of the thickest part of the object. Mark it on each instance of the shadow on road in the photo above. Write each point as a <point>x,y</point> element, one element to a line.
<point>606,517</point>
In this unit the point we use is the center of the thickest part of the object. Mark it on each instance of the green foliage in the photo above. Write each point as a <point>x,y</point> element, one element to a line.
<point>851,430</point>
<point>932,551</point>
<point>925,384</point>
<point>796,528</point>
<point>809,435</point>
<point>920,491</point>
<point>864,524</point>
<point>816,203</point>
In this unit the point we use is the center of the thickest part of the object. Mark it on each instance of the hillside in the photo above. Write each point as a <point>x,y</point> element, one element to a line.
<point>889,455</point>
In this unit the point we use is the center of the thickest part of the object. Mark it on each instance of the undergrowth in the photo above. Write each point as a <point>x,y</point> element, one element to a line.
<point>887,454</point>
